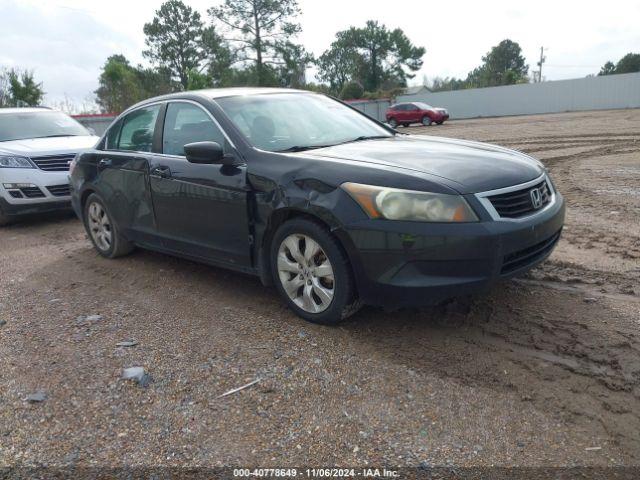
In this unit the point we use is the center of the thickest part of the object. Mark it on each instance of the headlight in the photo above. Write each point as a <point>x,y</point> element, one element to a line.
<point>11,161</point>
<point>395,204</point>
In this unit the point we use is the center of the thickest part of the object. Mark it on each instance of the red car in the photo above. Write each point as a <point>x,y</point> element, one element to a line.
<point>415,112</point>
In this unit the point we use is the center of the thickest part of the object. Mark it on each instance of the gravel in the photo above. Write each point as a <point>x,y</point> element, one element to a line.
<point>528,374</point>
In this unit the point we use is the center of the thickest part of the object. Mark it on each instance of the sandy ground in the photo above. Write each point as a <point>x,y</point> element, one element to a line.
<point>544,370</point>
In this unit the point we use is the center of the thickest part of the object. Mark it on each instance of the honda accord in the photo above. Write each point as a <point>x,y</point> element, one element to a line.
<point>334,208</point>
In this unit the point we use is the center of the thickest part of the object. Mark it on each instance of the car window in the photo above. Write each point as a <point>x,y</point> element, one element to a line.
<point>412,108</point>
<point>112,136</point>
<point>42,124</point>
<point>187,123</point>
<point>137,129</point>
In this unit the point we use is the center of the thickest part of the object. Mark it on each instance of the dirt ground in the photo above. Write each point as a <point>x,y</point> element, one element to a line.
<point>544,370</point>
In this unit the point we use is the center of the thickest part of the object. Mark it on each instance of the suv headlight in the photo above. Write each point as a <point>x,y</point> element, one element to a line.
<point>13,161</point>
<point>396,204</point>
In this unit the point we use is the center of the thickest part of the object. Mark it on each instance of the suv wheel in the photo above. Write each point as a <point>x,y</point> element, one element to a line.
<point>102,230</point>
<point>312,273</point>
<point>393,123</point>
<point>4,219</point>
<point>426,121</point>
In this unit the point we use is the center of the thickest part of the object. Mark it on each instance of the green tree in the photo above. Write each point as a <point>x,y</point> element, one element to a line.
<point>174,40</point>
<point>374,56</point>
<point>20,89</point>
<point>262,32</point>
<point>629,63</point>
<point>352,91</point>
<point>121,84</point>
<point>608,68</point>
<point>504,64</point>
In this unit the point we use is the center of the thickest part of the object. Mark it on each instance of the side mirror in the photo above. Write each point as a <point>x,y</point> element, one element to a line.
<point>204,152</point>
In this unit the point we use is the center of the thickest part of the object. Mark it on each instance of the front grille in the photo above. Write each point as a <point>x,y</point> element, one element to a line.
<point>54,163</point>
<point>15,194</point>
<point>59,190</point>
<point>516,260</point>
<point>32,192</point>
<point>519,203</point>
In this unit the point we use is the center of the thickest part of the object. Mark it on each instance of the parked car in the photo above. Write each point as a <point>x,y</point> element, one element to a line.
<point>36,148</point>
<point>415,112</point>
<point>334,208</point>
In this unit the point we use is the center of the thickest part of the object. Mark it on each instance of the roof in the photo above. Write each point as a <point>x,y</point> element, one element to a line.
<point>234,91</point>
<point>24,109</point>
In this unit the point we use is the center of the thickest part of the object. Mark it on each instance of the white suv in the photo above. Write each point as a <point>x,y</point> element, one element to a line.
<point>37,146</point>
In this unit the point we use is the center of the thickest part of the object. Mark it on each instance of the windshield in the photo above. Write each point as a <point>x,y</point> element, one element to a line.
<point>20,126</point>
<point>297,121</point>
<point>424,106</point>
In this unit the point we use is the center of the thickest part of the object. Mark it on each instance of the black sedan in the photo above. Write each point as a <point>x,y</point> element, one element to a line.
<point>334,208</point>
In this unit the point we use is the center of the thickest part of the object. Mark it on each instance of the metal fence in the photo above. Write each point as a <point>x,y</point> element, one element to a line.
<point>592,93</point>
<point>373,108</point>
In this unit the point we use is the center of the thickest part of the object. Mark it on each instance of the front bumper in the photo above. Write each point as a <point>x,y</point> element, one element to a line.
<point>33,191</point>
<point>411,263</point>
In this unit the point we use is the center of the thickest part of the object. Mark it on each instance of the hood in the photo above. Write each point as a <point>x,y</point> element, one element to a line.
<point>36,147</point>
<point>473,166</point>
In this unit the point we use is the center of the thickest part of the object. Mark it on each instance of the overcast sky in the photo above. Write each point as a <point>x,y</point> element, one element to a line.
<point>65,42</point>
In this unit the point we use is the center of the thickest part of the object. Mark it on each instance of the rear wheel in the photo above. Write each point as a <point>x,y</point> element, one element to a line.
<point>393,122</point>
<point>103,232</point>
<point>312,273</point>
<point>426,121</point>
<point>405,125</point>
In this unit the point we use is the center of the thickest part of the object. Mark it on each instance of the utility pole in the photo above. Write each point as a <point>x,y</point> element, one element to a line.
<point>542,60</point>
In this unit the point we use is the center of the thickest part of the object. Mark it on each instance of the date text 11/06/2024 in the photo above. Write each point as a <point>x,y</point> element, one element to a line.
<point>316,472</point>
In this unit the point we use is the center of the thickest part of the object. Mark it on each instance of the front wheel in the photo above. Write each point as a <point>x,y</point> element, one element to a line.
<point>426,121</point>
<point>312,273</point>
<point>103,232</point>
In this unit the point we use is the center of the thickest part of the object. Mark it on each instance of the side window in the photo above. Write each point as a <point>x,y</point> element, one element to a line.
<point>137,129</point>
<point>412,108</point>
<point>187,123</point>
<point>112,136</point>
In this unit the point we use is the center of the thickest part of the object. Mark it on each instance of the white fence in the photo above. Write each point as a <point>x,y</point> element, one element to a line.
<point>593,93</point>
<point>373,108</point>
<point>99,123</point>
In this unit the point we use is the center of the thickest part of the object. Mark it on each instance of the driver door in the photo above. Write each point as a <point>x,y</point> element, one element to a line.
<point>201,209</point>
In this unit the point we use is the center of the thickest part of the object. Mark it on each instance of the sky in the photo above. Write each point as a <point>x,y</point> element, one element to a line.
<point>66,42</point>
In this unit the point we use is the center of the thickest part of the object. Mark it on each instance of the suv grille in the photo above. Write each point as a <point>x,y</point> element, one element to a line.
<point>54,163</point>
<point>521,202</point>
<point>529,255</point>
<point>59,190</point>
<point>32,192</point>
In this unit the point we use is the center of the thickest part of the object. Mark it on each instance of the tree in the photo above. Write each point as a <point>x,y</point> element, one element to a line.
<point>607,69</point>
<point>262,31</point>
<point>5,94</point>
<point>504,64</point>
<point>352,91</point>
<point>374,55</point>
<point>629,63</point>
<point>174,40</point>
<point>22,89</point>
<point>122,85</point>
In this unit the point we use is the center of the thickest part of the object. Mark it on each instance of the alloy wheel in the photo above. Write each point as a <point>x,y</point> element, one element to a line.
<point>305,273</point>
<point>99,226</point>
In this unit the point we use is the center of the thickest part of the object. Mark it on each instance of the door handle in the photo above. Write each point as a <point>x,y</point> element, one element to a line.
<point>161,171</point>
<point>104,163</point>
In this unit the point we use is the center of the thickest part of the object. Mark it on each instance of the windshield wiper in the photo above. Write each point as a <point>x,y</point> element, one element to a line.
<point>302,148</point>
<point>366,137</point>
<point>57,135</point>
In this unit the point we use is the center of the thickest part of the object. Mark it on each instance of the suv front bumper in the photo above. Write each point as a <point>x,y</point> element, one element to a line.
<point>27,191</point>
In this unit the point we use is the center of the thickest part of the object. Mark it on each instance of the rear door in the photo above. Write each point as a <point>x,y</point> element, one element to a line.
<point>122,171</point>
<point>201,210</point>
<point>413,113</point>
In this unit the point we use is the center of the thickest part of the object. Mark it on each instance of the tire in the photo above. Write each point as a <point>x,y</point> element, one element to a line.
<point>393,123</point>
<point>426,121</point>
<point>440,122</point>
<point>305,280</point>
<point>102,230</point>
<point>405,125</point>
